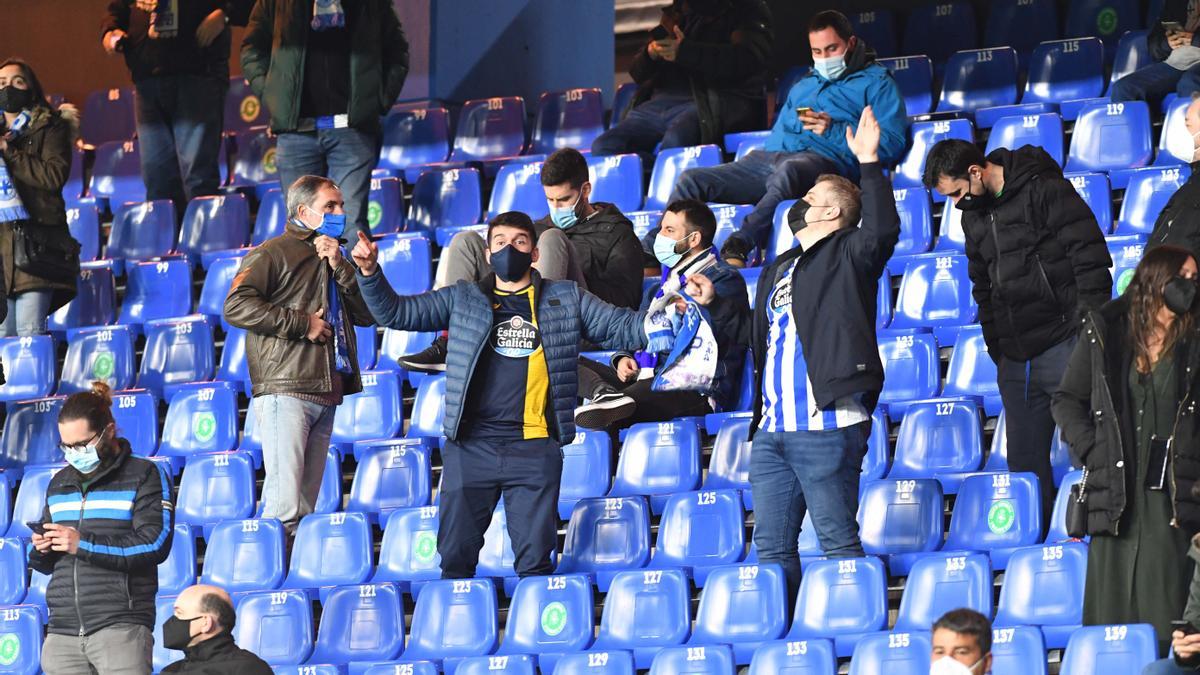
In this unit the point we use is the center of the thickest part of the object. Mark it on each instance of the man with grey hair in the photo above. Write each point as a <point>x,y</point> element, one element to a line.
<point>296,297</point>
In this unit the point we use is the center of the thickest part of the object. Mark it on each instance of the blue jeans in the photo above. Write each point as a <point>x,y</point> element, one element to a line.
<point>1154,82</point>
<point>179,121</point>
<point>671,119</point>
<point>760,178</point>
<point>1165,667</point>
<point>27,314</point>
<point>295,438</point>
<point>794,472</point>
<point>345,156</point>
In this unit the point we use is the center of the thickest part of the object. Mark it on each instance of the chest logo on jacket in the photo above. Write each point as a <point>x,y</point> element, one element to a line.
<point>515,338</point>
<point>781,298</point>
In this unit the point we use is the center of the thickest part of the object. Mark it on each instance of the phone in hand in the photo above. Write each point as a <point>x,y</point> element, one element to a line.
<point>659,32</point>
<point>803,110</point>
<point>37,526</point>
<point>1184,627</point>
<point>1172,26</point>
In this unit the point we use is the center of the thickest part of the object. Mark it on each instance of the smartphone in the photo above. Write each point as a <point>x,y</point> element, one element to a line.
<point>659,32</point>
<point>802,111</point>
<point>37,526</point>
<point>1184,626</point>
<point>1172,26</point>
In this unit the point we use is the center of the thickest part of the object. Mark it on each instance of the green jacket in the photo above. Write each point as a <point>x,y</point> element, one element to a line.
<point>273,59</point>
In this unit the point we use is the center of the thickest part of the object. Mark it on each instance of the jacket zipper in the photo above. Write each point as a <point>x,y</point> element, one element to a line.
<point>1046,280</point>
<point>1012,321</point>
<point>75,566</point>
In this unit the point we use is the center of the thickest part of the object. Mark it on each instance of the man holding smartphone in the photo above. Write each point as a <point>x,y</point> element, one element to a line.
<point>1174,43</point>
<point>1185,638</point>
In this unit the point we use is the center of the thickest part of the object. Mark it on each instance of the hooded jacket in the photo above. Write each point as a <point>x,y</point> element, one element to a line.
<point>1036,257</point>
<point>1156,39</point>
<point>608,254</point>
<point>219,655</point>
<point>125,518</point>
<point>864,83</point>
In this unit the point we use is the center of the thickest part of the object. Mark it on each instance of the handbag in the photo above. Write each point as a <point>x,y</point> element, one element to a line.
<point>1077,509</point>
<point>45,252</point>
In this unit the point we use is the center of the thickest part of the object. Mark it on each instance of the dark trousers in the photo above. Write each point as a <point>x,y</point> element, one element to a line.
<point>1026,388</point>
<point>652,406</point>
<point>475,473</point>
<point>179,120</point>
<point>1154,82</point>
<point>669,119</point>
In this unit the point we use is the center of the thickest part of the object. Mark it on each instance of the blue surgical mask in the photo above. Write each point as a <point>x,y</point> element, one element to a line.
<point>85,459</point>
<point>332,225</point>
<point>831,68</point>
<point>565,217</point>
<point>511,264</point>
<point>665,250</point>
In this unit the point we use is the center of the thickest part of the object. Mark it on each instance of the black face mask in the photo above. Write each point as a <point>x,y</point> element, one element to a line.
<point>511,264</point>
<point>1179,295</point>
<point>799,215</point>
<point>15,100</point>
<point>975,202</point>
<point>177,632</point>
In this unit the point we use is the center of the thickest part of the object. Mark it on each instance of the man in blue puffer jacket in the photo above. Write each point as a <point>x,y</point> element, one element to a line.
<point>511,388</point>
<point>809,137</point>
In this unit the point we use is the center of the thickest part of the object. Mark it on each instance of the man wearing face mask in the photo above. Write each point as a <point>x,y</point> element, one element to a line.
<point>620,394</point>
<point>106,525</point>
<point>962,644</point>
<point>202,628</point>
<point>1179,221</point>
<point>512,350</point>
<point>808,138</point>
<point>297,299</point>
<point>1038,263</point>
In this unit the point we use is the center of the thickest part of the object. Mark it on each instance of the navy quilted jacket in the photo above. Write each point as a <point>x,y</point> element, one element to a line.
<point>565,315</point>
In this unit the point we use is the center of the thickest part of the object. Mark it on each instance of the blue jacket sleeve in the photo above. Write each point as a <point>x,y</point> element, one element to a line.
<point>149,541</point>
<point>884,97</point>
<point>610,327</point>
<point>424,312</point>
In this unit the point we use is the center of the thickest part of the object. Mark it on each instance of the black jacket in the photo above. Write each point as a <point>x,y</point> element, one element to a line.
<point>609,255</point>
<point>723,58</point>
<point>1156,39</point>
<point>218,655</point>
<point>835,289</point>
<point>125,520</point>
<point>179,55</point>
<point>1093,408</point>
<point>1179,221</point>
<point>1036,258</point>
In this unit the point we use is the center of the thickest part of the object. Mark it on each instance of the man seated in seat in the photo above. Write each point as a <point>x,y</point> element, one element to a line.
<point>962,644</point>
<point>1179,221</point>
<point>202,627</point>
<point>511,359</point>
<point>590,243</point>
<point>809,137</point>
<point>1185,644</point>
<point>1174,44</point>
<point>620,394</point>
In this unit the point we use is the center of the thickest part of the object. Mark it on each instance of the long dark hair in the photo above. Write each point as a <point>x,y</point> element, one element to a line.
<point>1145,294</point>
<point>35,85</point>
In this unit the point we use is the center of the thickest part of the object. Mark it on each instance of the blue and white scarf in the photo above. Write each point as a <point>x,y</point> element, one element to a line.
<point>341,349</point>
<point>11,206</point>
<point>692,363</point>
<point>164,17</point>
<point>328,14</point>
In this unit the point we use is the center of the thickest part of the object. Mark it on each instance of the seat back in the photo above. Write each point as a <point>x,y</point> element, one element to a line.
<point>29,367</point>
<point>136,415</point>
<point>385,206</point>
<point>1021,24</point>
<point>216,487</point>
<point>1111,136</point>
<point>83,221</point>
<point>901,516</point>
<point>12,576</point>
<point>391,475</point>
<point>1095,190</point>
<point>142,230</point>
<point>360,623</point>
<point>910,365</point>
<point>217,282</point>
<point>594,662</point>
<point>429,407</point>
<point>157,289</point>
<point>878,29</point>
<point>271,217</point>
<point>924,136</point>
<point>670,164</point>
<point>935,291</point>
<point>1121,648</point>
<point>95,301</point>
<point>331,549</point>
<point>518,187</point>
<point>201,417</point>
<point>916,220</point>
<point>108,115</point>
<point>646,608</point>
<point>373,413</point>
<point>409,549</point>
<point>414,136</point>
<point>1019,649</point>
<point>914,78</point>
<point>729,464</point>
<point>972,371</point>
<point>216,223</point>
<point>21,638</point>
<point>701,528</point>
<point>586,469</point>
<point>607,534</point>
<point>255,163</point>
<point>938,437</point>
<point>242,108</point>
<point>454,618</point>
<point>940,30</point>
<point>658,458</point>
<point>940,582</point>
<point>1146,195</point>
<point>801,657</point>
<point>742,604</point>
<point>550,614</point>
<point>1043,585</point>
<point>1132,53</point>
<point>245,555</point>
<point>1058,518</point>
<point>979,78</point>
<point>275,625</point>
<point>892,653</point>
<point>117,174</point>
<point>405,259</point>
<point>1106,19</point>
<point>445,197</point>
<point>841,596</point>
<point>177,351</point>
<point>703,660</point>
<point>996,511</point>
<point>1063,70</point>
<point>31,434</point>
<point>1126,252</point>
<point>489,129</point>
<point>31,498</point>
<point>178,571</point>
<point>1044,130</point>
<point>567,119</point>
<point>617,179</point>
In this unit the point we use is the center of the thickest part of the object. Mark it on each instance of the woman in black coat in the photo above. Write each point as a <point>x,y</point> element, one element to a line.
<point>1127,408</point>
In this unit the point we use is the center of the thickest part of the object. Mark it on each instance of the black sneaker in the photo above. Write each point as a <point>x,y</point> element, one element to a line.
<point>431,360</point>
<point>606,408</point>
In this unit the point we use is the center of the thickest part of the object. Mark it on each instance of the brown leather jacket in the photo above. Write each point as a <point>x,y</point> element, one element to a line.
<point>280,283</point>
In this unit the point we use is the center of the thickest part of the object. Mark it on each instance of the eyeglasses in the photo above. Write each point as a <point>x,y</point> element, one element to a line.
<point>78,447</point>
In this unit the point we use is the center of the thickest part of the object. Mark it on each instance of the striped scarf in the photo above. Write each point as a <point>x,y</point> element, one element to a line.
<point>328,14</point>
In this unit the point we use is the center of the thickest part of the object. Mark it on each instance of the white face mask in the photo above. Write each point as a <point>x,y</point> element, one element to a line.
<point>948,666</point>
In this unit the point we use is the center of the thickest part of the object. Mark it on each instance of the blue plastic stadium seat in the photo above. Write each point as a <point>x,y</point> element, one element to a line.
<point>201,418</point>
<point>709,659</point>
<point>31,434</point>
<point>940,582</point>
<point>1020,649</point>
<point>875,462</point>
<point>1069,73</point>
<point>490,129</point>
<point>567,119</point>
<point>428,408</point>
<point>911,369</point>
<point>1043,586</point>
<point>275,625</point>
<point>1126,252</point>
<point>1132,53</point>
<point>233,366</point>
<point>1057,530</point>
<point>74,191</point>
<point>6,505</point>
<point>83,221</point>
<point>21,631</point>
<point>398,343</point>
<point>729,219</point>
<point>142,230</point>
<point>644,611</point>
<point>842,599</point>
<point>159,289</point>
<point>1145,196</point>
<point>255,163</point>
<point>36,595</point>
<point>729,464</point>
<point>507,664</point>
<point>385,206</point>
<point>878,29</point>
<point>177,351</point>
<point>95,299</point>
<point>617,180</point>
<point>935,292</point>
<point>244,555</point>
<point>29,367</point>
<point>518,187</point>
<point>671,163</point>
<point>1105,19</point>
<point>892,653</point>
<point>117,175</point>
<point>787,81</point>
<point>1175,145</point>
<point>916,220</point>
<point>901,520</point>
<point>940,30</point>
<point>412,137</point>
<point>405,260</point>
<point>331,549</point>
<point>924,136</point>
<point>549,616</point>
<point>136,415</point>
<point>621,102</point>
<point>644,221</point>
<point>586,469</point>
<point>391,475</point>
<point>382,668</point>
<point>212,224</point>
<point>996,513</point>
<point>271,217</point>
<point>31,498</point>
<point>496,557</point>
<point>444,198</point>
<point>360,623</point>
<point>742,605</point>
<point>108,115</point>
<point>242,108</point>
<point>742,143</point>
<point>914,77</point>
<point>408,554</point>
<point>1044,130</point>
<point>12,571</point>
<point>605,536</point>
<point>972,371</point>
<point>216,487</point>
<point>1021,24</point>
<point>162,657</point>
<point>373,413</point>
<point>454,618</point>
<point>1111,136</point>
<point>178,571</point>
<point>217,280</point>
<point>658,459</point>
<point>329,499</point>
<point>700,530</point>
<point>938,437</point>
<point>595,662</point>
<point>324,669</point>
<point>979,78</point>
<point>1095,190</point>
<point>1110,649</point>
<point>809,657</point>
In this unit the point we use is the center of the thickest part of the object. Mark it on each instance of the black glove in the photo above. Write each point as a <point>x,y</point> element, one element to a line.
<point>737,248</point>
